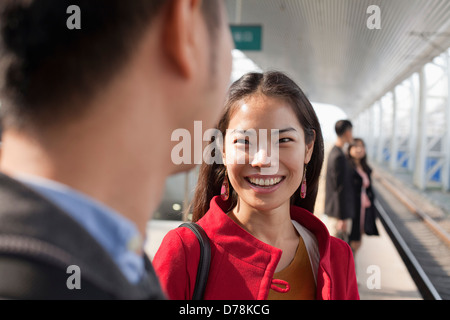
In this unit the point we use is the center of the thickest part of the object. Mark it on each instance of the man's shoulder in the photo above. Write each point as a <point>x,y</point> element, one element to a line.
<point>43,241</point>
<point>24,212</point>
<point>25,278</point>
<point>336,152</point>
<point>38,242</point>
<point>334,156</point>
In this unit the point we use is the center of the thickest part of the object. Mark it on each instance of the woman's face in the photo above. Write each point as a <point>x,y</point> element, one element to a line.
<point>249,178</point>
<point>358,151</point>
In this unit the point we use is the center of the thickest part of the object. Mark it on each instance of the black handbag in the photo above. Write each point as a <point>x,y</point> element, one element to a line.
<point>205,259</point>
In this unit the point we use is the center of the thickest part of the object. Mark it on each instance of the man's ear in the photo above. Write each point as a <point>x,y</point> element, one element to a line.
<point>309,149</point>
<point>180,34</point>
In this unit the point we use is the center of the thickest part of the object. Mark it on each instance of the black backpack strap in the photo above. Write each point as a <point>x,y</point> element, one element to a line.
<point>205,259</point>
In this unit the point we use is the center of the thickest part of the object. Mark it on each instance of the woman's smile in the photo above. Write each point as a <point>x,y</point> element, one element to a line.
<point>264,184</point>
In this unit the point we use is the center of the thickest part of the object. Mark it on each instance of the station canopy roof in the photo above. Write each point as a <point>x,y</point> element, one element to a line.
<point>327,47</point>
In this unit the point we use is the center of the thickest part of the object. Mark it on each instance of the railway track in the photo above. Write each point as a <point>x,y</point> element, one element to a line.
<point>422,242</point>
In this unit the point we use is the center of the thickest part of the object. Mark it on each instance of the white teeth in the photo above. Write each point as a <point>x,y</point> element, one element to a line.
<point>265,182</point>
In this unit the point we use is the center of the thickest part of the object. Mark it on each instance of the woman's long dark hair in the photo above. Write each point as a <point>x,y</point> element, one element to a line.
<point>272,84</point>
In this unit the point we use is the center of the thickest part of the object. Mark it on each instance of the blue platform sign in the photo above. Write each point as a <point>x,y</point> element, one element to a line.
<point>246,37</point>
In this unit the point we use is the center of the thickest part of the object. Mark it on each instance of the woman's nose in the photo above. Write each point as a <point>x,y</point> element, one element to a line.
<point>261,159</point>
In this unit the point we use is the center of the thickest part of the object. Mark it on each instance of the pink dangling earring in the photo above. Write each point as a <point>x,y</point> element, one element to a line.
<point>225,190</point>
<point>303,186</point>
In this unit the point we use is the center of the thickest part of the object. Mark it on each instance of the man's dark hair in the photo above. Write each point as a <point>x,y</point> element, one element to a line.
<point>48,69</point>
<point>342,126</point>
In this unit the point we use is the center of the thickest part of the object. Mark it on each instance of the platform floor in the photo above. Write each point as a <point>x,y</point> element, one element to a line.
<point>377,256</point>
<point>156,231</point>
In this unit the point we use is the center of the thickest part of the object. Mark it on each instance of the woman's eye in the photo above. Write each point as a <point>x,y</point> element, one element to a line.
<point>283,140</point>
<point>241,141</point>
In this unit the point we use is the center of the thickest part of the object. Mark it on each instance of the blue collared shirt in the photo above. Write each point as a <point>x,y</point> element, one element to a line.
<point>115,233</point>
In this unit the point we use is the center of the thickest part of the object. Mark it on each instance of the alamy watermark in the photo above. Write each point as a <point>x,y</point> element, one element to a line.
<point>74,20</point>
<point>249,146</point>
<point>374,279</point>
<point>74,280</point>
<point>374,20</point>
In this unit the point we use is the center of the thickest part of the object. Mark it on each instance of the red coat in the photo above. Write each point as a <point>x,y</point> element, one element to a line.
<point>242,266</point>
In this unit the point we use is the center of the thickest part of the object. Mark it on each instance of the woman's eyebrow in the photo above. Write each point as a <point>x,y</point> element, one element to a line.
<point>252,131</point>
<point>287,130</point>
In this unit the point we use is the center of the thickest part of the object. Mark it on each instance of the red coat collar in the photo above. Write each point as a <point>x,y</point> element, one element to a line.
<point>226,233</point>
<point>220,225</point>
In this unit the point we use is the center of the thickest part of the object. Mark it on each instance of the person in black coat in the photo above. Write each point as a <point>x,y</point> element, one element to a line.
<point>363,204</point>
<point>91,94</point>
<point>338,190</point>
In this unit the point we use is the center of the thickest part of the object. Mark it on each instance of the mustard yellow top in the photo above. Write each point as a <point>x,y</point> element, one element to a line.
<point>297,279</point>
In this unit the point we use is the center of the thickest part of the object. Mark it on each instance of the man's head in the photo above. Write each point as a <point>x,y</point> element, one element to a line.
<point>94,108</point>
<point>344,130</point>
<point>51,74</point>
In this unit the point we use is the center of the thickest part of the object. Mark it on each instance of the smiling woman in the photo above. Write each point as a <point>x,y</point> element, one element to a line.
<point>264,103</point>
<point>265,241</point>
<point>268,112</point>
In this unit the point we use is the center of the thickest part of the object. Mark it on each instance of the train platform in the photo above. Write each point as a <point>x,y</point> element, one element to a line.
<point>381,272</point>
<point>432,201</point>
<point>419,232</point>
<point>156,231</point>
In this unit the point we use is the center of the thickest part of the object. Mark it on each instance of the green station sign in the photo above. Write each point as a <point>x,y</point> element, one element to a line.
<point>247,37</point>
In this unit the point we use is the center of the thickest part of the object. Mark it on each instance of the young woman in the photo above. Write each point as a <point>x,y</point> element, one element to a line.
<point>265,241</point>
<point>364,220</point>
